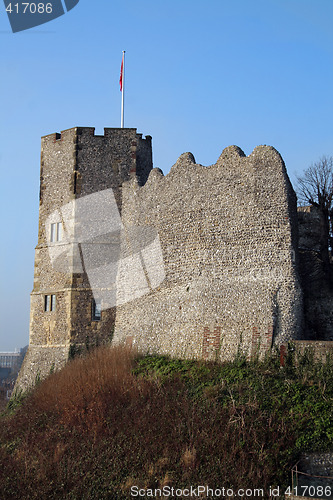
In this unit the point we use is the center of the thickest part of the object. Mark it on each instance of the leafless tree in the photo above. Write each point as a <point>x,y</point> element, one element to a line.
<point>315,187</point>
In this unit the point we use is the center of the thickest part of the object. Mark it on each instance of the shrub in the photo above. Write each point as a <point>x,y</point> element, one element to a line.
<point>113,420</point>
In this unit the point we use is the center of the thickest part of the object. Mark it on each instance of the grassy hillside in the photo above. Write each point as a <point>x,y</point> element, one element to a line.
<point>112,421</point>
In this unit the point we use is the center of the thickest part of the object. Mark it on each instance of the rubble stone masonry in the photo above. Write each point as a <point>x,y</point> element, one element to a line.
<point>228,234</point>
<point>74,164</point>
<point>228,241</point>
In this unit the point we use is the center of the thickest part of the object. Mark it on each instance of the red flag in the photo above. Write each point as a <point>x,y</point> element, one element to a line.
<point>121,75</point>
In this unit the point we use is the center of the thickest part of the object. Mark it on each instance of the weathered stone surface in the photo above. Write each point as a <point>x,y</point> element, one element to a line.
<point>319,349</point>
<point>318,293</point>
<point>229,240</point>
<point>208,256</point>
<point>74,164</point>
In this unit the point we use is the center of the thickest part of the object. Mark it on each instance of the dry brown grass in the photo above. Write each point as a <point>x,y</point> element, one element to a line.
<point>189,457</point>
<point>81,393</point>
<point>94,429</point>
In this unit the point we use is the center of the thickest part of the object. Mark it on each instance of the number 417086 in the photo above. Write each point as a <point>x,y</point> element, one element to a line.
<point>29,8</point>
<point>309,491</point>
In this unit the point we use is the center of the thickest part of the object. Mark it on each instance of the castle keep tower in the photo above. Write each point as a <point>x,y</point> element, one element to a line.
<point>65,309</point>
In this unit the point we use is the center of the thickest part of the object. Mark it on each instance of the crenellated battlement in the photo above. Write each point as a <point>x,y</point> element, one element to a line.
<point>80,162</point>
<point>108,133</point>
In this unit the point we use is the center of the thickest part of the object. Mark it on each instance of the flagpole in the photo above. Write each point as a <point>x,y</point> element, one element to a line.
<point>122,89</point>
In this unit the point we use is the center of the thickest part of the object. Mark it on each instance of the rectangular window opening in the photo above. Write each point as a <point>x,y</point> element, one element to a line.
<point>49,303</point>
<point>96,309</point>
<point>53,302</point>
<point>56,232</point>
<point>52,235</point>
<point>59,231</point>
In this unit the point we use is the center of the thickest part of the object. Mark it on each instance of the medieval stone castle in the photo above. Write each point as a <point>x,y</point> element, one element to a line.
<point>204,262</point>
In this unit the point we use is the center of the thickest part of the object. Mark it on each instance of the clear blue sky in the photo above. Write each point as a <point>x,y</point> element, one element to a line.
<point>200,75</point>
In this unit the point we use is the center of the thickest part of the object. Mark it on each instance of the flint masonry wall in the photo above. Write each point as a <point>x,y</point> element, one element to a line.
<point>318,295</point>
<point>228,235</point>
<point>74,164</point>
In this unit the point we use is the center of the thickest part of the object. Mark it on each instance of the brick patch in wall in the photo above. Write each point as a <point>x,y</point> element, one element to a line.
<point>211,341</point>
<point>261,342</point>
<point>283,355</point>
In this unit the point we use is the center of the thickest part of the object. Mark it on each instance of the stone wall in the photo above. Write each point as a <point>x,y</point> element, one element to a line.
<point>208,266</point>
<point>318,293</point>
<point>228,235</point>
<point>318,464</point>
<point>74,165</point>
<point>313,477</point>
<point>320,350</point>
<point>309,223</point>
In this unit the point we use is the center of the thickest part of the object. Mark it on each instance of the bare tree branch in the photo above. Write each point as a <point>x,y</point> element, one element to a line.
<point>315,186</point>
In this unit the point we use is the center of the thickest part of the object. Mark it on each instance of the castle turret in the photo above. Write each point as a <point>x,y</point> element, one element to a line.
<point>81,179</point>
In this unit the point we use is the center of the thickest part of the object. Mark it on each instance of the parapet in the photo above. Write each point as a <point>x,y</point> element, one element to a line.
<point>90,131</point>
<point>233,162</point>
<point>121,152</point>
